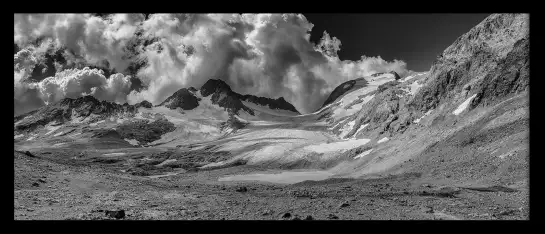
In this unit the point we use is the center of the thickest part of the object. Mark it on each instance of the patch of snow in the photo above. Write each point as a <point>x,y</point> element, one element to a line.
<point>96,123</point>
<point>408,78</point>
<point>52,129</point>
<point>31,138</point>
<point>347,128</point>
<point>132,142</point>
<point>415,86</point>
<point>164,175</point>
<point>340,111</point>
<point>114,154</point>
<point>361,128</point>
<point>58,134</point>
<point>139,116</point>
<point>337,146</point>
<point>464,105</point>
<point>418,120</point>
<point>165,162</point>
<point>382,79</point>
<point>286,177</point>
<point>330,128</point>
<point>59,144</point>
<point>363,154</point>
<point>120,120</point>
<point>18,136</point>
<point>383,140</point>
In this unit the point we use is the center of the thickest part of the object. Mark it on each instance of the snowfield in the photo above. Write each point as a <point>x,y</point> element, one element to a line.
<point>363,154</point>
<point>337,146</point>
<point>385,139</point>
<point>286,177</point>
<point>464,105</point>
<point>131,141</point>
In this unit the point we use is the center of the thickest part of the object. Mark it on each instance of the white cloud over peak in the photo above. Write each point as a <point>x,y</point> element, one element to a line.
<point>261,54</point>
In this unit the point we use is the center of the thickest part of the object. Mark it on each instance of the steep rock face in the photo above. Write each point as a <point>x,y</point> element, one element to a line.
<point>223,96</point>
<point>182,98</point>
<point>386,112</point>
<point>492,54</point>
<point>491,61</point>
<point>511,76</point>
<point>279,103</point>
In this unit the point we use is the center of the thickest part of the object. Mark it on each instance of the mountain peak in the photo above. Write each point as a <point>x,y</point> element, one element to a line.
<point>182,98</point>
<point>213,85</point>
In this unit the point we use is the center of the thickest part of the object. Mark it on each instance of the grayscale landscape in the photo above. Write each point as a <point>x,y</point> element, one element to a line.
<point>204,137</point>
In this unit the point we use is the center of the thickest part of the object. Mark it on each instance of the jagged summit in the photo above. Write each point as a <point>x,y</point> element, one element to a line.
<point>214,86</point>
<point>182,98</point>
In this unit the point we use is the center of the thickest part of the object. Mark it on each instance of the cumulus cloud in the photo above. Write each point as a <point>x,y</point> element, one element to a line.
<point>70,83</point>
<point>96,39</point>
<point>261,54</point>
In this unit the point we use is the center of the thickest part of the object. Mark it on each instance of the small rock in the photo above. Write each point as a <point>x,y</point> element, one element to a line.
<point>27,153</point>
<point>344,204</point>
<point>427,209</point>
<point>267,212</point>
<point>29,209</point>
<point>41,180</point>
<point>242,189</point>
<point>309,217</point>
<point>286,215</point>
<point>332,216</point>
<point>35,184</point>
<point>507,212</point>
<point>119,214</point>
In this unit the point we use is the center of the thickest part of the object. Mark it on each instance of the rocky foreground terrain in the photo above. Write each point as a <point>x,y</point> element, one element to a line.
<point>450,144</point>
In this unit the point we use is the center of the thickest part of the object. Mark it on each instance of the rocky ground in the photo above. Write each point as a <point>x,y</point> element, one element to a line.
<point>48,187</point>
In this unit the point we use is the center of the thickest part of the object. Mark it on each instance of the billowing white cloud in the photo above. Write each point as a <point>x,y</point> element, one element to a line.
<point>261,54</point>
<point>74,83</point>
<point>70,83</point>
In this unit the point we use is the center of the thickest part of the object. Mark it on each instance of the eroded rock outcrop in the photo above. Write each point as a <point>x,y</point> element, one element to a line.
<point>492,56</point>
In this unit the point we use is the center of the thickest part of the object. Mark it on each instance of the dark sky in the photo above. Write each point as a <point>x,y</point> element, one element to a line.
<point>416,39</point>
